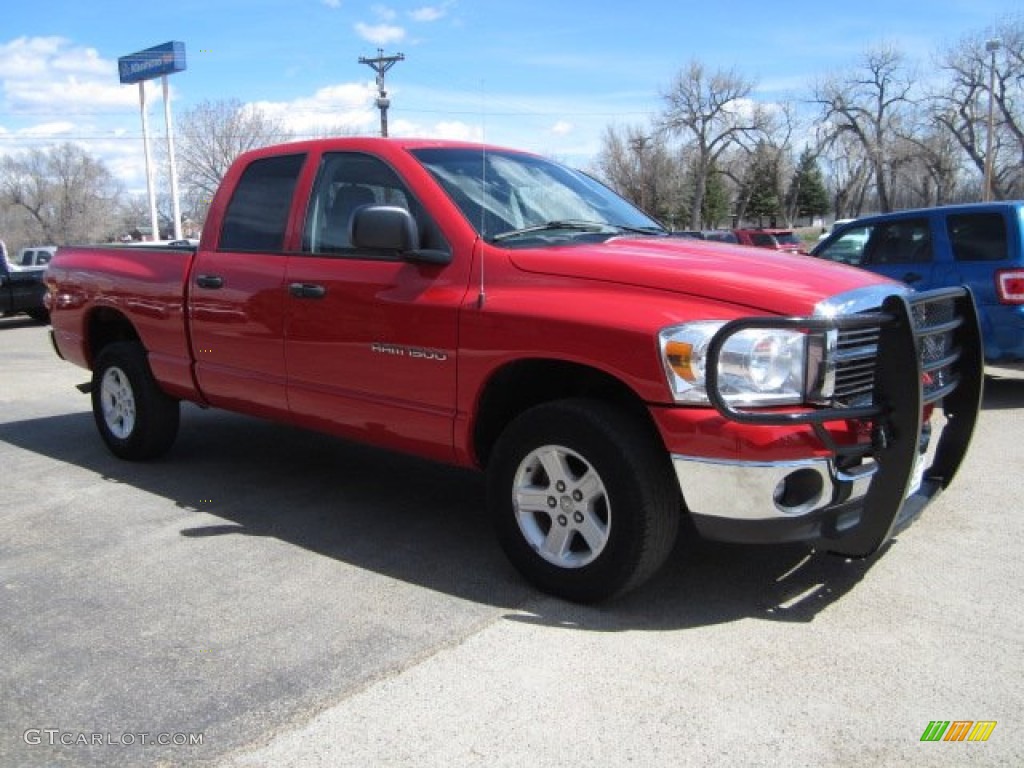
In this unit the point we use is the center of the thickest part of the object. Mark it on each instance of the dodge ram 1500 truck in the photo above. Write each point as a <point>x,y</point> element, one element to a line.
<point>489,308</point>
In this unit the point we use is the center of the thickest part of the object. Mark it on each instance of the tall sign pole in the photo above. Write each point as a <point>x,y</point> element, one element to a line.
<point>154,222</point>
<point>159,61</point>
<point>172,166</point>
<point>380,65</point>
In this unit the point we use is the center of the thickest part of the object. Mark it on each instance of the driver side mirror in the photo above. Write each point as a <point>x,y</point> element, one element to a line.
<point>391,228</point>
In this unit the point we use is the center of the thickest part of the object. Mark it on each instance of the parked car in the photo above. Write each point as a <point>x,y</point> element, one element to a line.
<point>776,239</point>
<point>979,245</point>
<point>35,256</point>
<point>835,225</point>
<point>718,235</point>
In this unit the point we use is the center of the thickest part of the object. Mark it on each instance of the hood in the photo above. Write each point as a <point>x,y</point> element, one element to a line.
<point>771,281</point>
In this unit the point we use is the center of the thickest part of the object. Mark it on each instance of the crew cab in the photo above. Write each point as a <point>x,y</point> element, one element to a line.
<point>490,308</point>
<point>980,245</point>
<point>22,291</point>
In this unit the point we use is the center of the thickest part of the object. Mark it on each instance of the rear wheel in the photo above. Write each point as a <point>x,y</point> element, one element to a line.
<point>584,500</point>
<point>135,418</point>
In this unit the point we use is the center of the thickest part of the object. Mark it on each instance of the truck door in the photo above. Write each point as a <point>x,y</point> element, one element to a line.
<point>370,337</point>
<point>237,294</point>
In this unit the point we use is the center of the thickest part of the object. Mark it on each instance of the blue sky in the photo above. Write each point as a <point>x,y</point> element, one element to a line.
<point>544,76</point>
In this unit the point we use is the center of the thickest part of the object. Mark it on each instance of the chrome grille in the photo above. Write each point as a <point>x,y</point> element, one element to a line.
<point>935,319</point>
<point>855,365</point>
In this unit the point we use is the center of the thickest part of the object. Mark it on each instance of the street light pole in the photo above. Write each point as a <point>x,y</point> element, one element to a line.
<point>991,46</point>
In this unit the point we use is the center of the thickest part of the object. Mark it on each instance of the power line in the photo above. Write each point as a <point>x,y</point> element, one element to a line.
<point>380,65</point>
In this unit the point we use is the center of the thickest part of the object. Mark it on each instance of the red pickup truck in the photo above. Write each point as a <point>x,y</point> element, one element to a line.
<point>492,309</point>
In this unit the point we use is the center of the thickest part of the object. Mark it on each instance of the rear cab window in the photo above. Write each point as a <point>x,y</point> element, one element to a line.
<point>257,214</point>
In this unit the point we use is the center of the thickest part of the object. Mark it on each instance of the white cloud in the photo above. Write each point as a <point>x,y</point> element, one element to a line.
<point>48,130</point>
<point>380,34</point>
<point>429,13</point>
<point>562,128</point>
<point>50,73</point>
<point>346,106</point>
<point>384,13</point>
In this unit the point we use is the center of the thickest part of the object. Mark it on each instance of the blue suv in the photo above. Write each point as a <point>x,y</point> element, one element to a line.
<point>979,245</point>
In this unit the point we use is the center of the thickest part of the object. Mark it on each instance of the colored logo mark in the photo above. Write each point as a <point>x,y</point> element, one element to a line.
<point>958,730</point>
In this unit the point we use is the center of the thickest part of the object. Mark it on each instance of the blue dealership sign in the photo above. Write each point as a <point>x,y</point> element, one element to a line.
<point>153,62</point>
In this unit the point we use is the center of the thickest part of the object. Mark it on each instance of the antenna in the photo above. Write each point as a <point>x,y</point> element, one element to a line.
<point>380,65</point>
<point>482,296</point>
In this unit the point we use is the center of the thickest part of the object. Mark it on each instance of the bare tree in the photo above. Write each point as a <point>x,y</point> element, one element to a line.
<point>962,107</point>
<point>211,135</point>
<point>63,194</point>
<point>871,104</point>
<point>640,167</point>
<point>713,112</point>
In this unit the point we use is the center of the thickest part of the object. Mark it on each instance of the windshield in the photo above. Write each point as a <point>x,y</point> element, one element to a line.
<point>788,238</point>
<point>508,196</point>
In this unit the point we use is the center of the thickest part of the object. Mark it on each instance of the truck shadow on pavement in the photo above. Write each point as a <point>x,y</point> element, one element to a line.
<point>423,524</point>
<point>1003,392</point>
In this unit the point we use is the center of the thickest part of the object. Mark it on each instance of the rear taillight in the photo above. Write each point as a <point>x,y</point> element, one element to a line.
<point>1010,286</point>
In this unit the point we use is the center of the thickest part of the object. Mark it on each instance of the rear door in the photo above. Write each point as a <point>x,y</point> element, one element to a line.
<point>237,293</point>
<point>371,337</point>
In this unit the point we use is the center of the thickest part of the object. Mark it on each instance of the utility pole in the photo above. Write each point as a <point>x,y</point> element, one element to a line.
<point>991,46</point>
<point>380,65</point>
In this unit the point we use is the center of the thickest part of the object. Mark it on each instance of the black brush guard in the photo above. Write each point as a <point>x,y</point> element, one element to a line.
<point>929,352</point>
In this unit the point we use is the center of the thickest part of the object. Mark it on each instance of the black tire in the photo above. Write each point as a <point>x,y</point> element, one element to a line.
<point>39,315</point>
<point>583,498</point>
<point>135,418</point>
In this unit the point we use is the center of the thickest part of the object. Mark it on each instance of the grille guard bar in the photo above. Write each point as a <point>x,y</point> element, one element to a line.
<point>896,409</point>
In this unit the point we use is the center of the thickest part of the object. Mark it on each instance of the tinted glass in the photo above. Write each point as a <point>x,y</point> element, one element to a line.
<point>977,236</point>
<point>907,241</point>
<point>257,215</point>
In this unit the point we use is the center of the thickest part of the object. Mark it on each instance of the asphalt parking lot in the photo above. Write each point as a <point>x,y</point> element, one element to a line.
<point>269,597</point>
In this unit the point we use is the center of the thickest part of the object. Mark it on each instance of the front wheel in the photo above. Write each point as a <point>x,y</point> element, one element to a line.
<point>583,498</point>
<point>135,418</point>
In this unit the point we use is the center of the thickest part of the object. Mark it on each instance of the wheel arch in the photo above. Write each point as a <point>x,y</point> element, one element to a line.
<point>523,384</point>
<point>106,326</point>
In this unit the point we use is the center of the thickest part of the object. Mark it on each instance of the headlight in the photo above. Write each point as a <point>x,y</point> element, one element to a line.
<point>757,366</point>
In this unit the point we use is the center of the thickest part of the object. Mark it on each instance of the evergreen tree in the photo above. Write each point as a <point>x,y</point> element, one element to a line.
<point>715,202</point>
<point>763,182</point>
<point>807,193</point>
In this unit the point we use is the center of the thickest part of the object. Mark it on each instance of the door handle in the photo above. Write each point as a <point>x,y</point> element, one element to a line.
<point>307,290</point>
<point>911,277</point>
<point>210,281</point>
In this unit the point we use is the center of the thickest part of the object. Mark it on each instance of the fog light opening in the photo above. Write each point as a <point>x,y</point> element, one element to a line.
<point>798,492</point>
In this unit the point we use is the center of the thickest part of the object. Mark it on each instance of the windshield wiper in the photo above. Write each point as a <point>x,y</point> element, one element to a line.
<point>639,230</point>
<point>571,224</point>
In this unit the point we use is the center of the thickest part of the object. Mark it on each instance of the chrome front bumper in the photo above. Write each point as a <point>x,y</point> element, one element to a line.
<point>743,490</point>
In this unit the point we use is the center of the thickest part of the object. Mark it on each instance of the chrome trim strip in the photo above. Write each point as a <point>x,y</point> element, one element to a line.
<point>859,299</point>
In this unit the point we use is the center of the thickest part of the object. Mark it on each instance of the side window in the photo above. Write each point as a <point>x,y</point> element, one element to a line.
<point>345,182</point>
<point>257,214</point>
<point>907,241</point>
<point>978,236</point>
<point>849,247</point>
